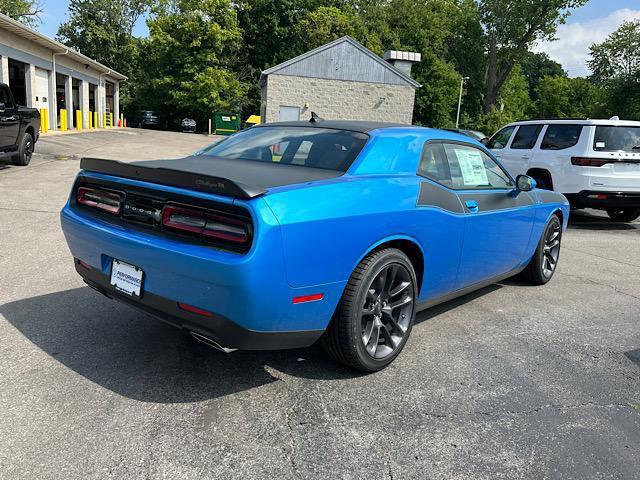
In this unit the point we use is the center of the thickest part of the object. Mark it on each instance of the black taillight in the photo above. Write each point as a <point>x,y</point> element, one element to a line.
<point>206,223</point>
<point>107,201</point>
<point>589,162</point>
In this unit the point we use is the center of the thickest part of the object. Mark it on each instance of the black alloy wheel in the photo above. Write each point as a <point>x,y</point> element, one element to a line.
<point>387,311</point>
<point>544,262</point>
<point>375,316</point>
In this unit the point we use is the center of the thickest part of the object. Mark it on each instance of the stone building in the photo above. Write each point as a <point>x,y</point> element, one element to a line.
<point>341,80</point>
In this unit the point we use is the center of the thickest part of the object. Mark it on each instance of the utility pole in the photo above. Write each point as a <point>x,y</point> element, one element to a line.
<point>462,80</point>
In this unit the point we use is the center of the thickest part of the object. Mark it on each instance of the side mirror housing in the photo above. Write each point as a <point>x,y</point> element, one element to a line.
<point>525,183</point>
<point>485,141</point>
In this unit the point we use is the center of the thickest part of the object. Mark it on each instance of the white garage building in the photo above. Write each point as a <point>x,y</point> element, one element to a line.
<point>45,74</point>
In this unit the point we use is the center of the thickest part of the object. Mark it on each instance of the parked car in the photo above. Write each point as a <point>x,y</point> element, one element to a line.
<point>19,129</point>
<point>352,230</point>
<point>594,163</point>
<point>475,134</point>
<point>145,119</point>
<point>188,125</point>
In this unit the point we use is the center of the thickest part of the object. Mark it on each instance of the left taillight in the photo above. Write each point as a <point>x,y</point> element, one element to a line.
<point>206,223</point>
<point>104,200</point>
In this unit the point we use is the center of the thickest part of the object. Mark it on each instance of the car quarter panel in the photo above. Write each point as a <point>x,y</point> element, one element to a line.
<point>327,229</point>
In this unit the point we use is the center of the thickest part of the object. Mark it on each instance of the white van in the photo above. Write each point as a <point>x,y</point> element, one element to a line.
<point>594,163</point>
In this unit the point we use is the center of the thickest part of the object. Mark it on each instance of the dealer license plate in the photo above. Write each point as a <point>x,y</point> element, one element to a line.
<point>126,278</point>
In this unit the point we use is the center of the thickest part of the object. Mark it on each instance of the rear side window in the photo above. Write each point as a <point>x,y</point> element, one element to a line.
<point>5,97</point>
<point>434,164</point>
<point>526,137</point>
<point>500,139</point>
<point>559,137</point>
<point>304,146</point>
<point>613,139</point>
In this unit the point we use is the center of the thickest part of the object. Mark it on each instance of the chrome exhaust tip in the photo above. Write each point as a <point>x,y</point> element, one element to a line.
<point>210,342</point>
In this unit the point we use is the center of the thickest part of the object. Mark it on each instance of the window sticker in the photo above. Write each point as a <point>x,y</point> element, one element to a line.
<point>601,145</point>
<point>472,167</point>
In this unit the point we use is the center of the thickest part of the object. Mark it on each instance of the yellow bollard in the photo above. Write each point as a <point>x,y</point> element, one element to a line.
<point>90,120</point>
<point>63,120</point>
<point>43,120</point>
<point>104,120</point>
<point>79,124</point>
<point>111,120</point>
<point>95,119</point>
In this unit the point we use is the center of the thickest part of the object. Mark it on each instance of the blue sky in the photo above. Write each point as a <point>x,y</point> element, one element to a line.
<point>588,24</point>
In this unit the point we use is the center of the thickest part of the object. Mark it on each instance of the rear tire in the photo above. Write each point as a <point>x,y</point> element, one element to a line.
<point>25,151</point>
<point>376,313</point>
<point>623,214</point>
<point>545,259</point>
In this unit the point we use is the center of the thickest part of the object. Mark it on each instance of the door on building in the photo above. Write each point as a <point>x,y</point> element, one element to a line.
<point>42,89</point>
<point>289,114</point>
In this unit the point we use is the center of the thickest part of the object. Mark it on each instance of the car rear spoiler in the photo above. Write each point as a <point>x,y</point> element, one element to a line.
<point>172,177</point>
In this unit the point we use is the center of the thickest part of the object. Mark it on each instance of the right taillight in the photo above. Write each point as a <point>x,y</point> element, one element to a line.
<point>589,162</point>
<point>206,223</point>
<point>107,201</point>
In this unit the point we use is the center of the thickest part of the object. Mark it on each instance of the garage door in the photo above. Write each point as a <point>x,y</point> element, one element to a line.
<point>42,88</point>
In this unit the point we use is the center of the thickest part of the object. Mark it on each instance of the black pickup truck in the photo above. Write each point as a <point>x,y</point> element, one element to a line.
<point>19,129</point>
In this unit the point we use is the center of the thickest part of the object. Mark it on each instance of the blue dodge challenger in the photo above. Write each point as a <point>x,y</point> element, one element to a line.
<point>289,233</point>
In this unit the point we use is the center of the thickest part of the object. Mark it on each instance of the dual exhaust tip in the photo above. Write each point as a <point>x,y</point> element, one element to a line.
<point>211,342</point>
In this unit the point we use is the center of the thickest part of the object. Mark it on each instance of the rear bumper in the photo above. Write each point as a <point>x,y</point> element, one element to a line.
<point>217,327</point>
<point>248,294</point>
<point>603,200</point>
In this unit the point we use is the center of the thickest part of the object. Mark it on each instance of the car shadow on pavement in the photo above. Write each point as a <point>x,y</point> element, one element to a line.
<point>634,356</point>
<point>592,220</point>
<point>137,356</point>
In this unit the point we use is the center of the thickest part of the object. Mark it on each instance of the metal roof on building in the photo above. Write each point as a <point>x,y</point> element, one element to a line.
<point>17,28</point>
<point>342,59</point>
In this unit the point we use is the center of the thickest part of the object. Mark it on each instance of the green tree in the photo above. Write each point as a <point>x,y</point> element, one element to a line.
<point>615,66</point>
<point>618,57</point>
<point>25,11</point>
<point>102,30</point>
<point>512,104</point>
<point>512,26</point>
<point>535,66</point>
<point>562,97</point>
<point>189,60</point>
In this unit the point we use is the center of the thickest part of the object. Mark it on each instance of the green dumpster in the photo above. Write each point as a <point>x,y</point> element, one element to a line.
<point>227,123</point>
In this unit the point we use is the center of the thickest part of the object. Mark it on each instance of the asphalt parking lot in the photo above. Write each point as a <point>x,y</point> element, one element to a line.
<point>509,382</point>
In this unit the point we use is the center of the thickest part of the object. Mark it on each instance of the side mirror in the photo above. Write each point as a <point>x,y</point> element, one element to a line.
<point>525,183</point>
<point>485,141</point>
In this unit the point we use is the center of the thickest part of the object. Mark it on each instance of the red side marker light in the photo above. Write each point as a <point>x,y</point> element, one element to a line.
<point>84,264</point>
<point>196,310</point>
<point>308,298</point>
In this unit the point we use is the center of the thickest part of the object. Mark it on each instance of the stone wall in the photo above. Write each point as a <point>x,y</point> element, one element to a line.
<point>337,99</point>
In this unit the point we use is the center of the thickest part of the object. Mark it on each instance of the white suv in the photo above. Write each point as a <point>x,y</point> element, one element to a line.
<point>594,163</point>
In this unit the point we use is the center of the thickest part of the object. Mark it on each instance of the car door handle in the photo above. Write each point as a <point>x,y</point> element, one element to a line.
<point>8,119</point>
<point>471,205</point>
<point>525,157</point>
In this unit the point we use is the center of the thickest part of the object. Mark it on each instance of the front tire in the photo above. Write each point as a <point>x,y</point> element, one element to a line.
<point>545,259</point>
<point>25,151</point>
<point>623,214</point>
<point>376,313</point>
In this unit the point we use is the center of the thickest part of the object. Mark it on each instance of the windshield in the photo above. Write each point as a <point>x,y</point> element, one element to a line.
<point>613,139</point>
<point>305,146</point>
